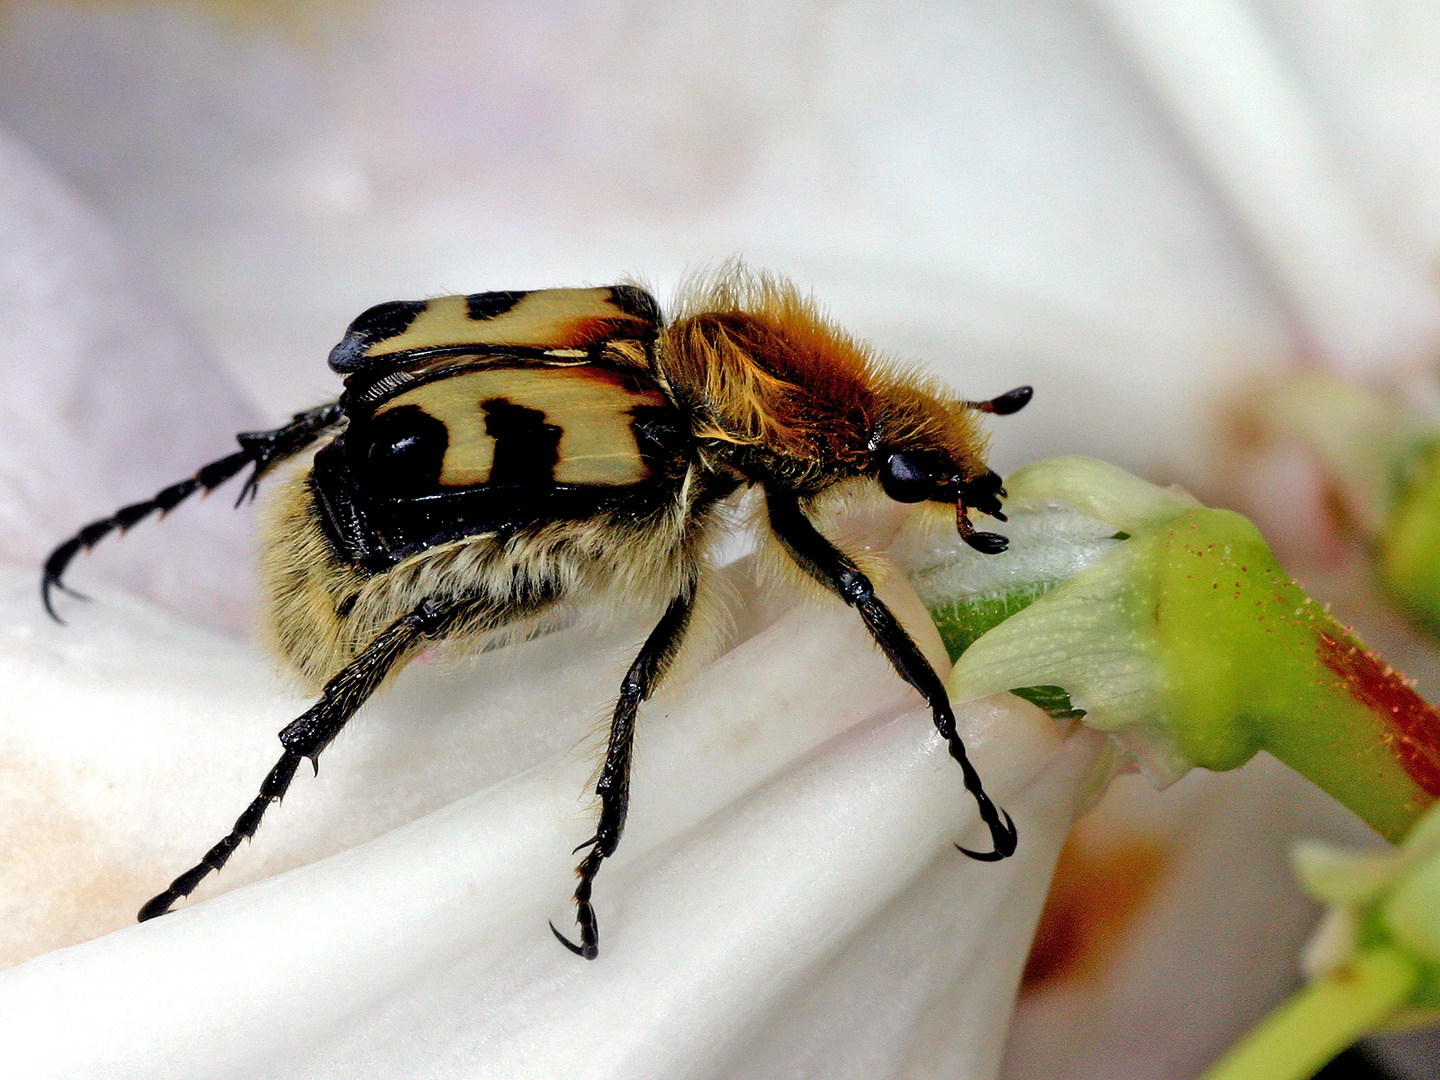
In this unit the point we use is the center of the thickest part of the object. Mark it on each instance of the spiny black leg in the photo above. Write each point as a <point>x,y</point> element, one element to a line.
<point>211,476</point>
<point>834,569</point>
<point>311,733</point>
<point>269,448</point>
<point>614,785</point>
<point>263,449</point>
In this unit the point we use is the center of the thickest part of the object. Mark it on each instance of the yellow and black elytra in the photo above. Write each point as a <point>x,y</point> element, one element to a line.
<point>496,457</point>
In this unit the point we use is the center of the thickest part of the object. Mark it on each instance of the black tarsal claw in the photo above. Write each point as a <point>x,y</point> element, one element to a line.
<point>49,583</point>
<point>250,488</point>
<point>1003,836</point>
<point>584,953</point>
<point>588,843</point>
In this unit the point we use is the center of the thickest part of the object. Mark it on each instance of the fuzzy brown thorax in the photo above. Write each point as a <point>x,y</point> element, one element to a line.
<point>779,392</point>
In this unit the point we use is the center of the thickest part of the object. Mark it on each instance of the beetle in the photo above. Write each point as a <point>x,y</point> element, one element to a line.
<point>497,457</point>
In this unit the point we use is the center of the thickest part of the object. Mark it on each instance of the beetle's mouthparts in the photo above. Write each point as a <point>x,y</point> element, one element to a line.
<point>987,543</point>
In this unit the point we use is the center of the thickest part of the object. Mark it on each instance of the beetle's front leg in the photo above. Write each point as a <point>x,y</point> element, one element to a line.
<point>834,569</point>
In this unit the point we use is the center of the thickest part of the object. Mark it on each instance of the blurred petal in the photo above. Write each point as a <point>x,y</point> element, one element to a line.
<point>1209,941</point>
<point>1222,78</point>
<point>105,397</point>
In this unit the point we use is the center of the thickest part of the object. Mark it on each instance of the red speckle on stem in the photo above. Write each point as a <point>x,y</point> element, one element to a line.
<point>1413,722</point>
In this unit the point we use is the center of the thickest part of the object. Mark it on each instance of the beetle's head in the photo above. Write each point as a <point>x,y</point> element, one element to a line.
<point>912,476</point>
<point>942,465</point>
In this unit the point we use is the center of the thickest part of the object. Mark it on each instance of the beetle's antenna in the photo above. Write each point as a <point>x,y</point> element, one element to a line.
<point>1012,401</point>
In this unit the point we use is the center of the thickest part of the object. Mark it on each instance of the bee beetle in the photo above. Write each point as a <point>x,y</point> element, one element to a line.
<point>495,456</point>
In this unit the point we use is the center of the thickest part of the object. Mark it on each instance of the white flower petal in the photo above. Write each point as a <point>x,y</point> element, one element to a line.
<point>702,934</point>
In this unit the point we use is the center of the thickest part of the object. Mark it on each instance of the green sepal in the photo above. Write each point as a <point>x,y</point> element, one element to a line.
<point>962,621</point>
<point>1190,644</point>
<point>1053,700</point>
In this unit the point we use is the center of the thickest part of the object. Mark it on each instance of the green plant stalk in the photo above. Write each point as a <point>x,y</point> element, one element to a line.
<point>1181,635</point>
<point>1250,663</point>
<point>1188,640</point>
<point>1315,1024</point>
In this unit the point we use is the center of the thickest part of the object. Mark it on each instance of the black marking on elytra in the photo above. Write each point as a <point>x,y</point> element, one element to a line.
<point>527,449</point>
<point>344,513</point>
<point>401,452</point>
<point>636,302</point>
<point>487,305</point>
<point>374,533</point>
<point>379,323</point>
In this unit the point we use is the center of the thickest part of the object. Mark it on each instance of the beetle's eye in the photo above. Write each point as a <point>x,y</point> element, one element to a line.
<point>403,451</point>
<point>910,478</point>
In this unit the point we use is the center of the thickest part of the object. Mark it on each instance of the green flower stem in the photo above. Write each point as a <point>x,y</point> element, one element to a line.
<point>1183,637</point>
<point>1172,627</point>
<point>1250,663</point>
<point>1314,1025</point>
<point>1375,959</point>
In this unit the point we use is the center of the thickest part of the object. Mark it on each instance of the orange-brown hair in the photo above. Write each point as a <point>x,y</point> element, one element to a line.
<point>772,381</point>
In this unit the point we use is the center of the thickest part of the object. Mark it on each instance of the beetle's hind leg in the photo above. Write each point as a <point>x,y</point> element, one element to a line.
<point>613,787</point>
<point>208,478</point>
<point>307,736</point>
<point>830,566</point>
<point>263,449</point>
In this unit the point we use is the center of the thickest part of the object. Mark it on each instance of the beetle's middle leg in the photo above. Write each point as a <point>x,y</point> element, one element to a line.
<point>307,736</point>
<point>613,787</point>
